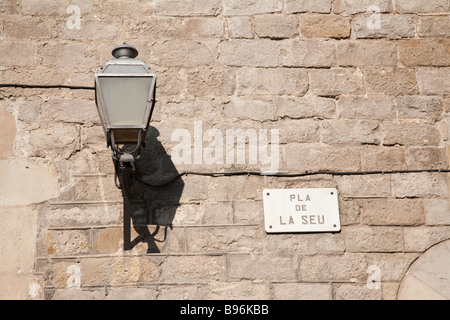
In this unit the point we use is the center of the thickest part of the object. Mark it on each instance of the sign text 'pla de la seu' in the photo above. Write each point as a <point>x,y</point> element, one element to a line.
<point>301,210</point>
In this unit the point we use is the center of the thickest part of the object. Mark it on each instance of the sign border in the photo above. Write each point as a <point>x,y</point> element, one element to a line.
<point>269,218</point>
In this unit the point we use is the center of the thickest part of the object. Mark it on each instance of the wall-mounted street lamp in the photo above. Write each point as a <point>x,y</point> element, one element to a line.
<point>125,98</point>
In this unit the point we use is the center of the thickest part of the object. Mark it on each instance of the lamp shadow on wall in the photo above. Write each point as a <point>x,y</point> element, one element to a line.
<point>154,202</point>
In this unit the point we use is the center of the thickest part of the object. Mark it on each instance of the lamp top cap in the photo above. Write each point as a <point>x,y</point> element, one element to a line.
<point>125,51</point>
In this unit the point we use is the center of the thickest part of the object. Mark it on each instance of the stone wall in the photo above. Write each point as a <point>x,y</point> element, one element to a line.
<point>348,86</point>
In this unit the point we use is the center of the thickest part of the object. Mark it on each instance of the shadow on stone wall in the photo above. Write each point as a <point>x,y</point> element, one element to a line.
<point>153,201</point>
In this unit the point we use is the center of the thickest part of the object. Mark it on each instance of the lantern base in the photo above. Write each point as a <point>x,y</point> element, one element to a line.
<point>126,136</point>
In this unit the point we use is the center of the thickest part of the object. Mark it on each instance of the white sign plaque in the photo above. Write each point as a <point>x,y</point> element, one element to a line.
<point>301,210</point>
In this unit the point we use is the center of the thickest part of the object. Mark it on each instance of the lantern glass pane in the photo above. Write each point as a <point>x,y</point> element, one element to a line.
<point>126,99</point>
<point>100,110</point>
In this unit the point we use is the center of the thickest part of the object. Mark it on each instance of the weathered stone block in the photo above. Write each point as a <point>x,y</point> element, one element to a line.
<point>424,52</point>
<point>190,8</point>
<point>355,291</point>
<point>433,26</point>
<point>296,6</point>
<point>70,111</point>
<point>47,141</point>
<point>420,239</point>
<point>418,158</point>
<point>83,162</point>
<point>243,109</point>
<point>280,81</point>
<point>249,211</point>
<point>351,132</point>
<point>391,81</point>
<point>67,242</point>
<point>37,74</point>
<point>306,107</point>
<point>345,7</point>
<point>114,10</point>
<point>250,7</point>
<point>19,53</point>
<point>221,239</point>
<point>186,214</point>
<point>396,212</point>
<point>93,138</point>
<point>392,265</point>
<point>203,28</point>
<point>309,53</point>
<point>18,238</point>
<point>210,82</point>
<point>199,268</point>
<point>195,188</point>
<point>284,244</point>
<point>327,244</point>
<point>420,107</point>
<point>349,211</point>
<point>275,26</point>
<point>437,211</point>
<point>125,293</point>
<point>410,134</point>
<point>92,162</point>
<point>28,111</point>
<point>367,186</point>
<point>240,27</point>
<point>318,268</point>
<point>433,80</point>
<point>419,6</point>
<point>314,181</point>
<point>301,291</point>
<point>196,108</point>
<point>371,107</point>
<point>96,188</point>
<point>90,29</point>
<point>247,53</point>
<point>184,292</point>
<point>391,26</point>
<point>317,157</point>
<point>76,294</point>
<point>53,7</point>
<point>27,181</point>
<point>366,53</point>
<point>8,7</point>
<point>324,26</point>
<point>7,131</point>
<point>261,266</point>
<point>333,82</point>
<point>70,54</point>
<point>422,184</point>
<point>119,270</point>
<point>236,188</point>
<point>108,240</point>
<point>374,239</point>
<point>299,131</point>
<point>375,158</point>
<point>174,54</point>
<point>31,28</point>
<point>250,290</point>
<point>46,7</point>
<point>84,216</point>
<point>218,212</point>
